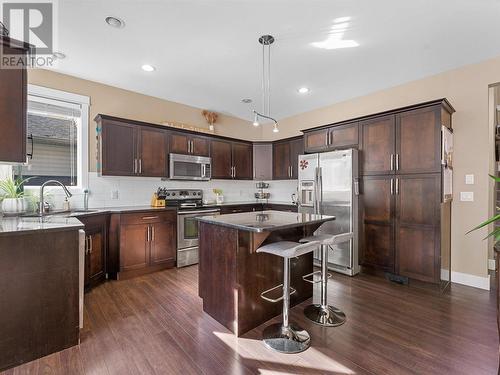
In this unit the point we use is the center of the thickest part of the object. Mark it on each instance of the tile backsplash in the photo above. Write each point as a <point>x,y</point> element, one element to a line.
<point>132,191</point>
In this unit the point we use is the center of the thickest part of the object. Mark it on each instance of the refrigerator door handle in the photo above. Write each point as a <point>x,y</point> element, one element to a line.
<point>356,186</point>
<point>319,198</point>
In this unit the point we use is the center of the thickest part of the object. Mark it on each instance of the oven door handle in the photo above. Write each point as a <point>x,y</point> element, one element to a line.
<point>198,212</point>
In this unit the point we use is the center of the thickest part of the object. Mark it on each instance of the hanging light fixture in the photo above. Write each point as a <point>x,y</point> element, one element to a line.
<point>266,41</point>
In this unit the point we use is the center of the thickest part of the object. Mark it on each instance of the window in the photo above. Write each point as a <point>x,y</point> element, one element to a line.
<point>57,129</point>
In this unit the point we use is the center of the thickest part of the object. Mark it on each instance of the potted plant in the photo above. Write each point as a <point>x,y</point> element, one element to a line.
<point>12,196</point>
<point>219,198</point>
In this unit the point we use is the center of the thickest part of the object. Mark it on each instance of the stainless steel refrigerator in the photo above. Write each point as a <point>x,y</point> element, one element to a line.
<point>329,185</point>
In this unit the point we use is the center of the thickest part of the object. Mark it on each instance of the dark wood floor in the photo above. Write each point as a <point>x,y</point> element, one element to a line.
<point>155,325</point>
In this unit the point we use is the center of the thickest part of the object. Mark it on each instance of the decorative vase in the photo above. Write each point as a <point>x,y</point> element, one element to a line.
<point>14,205</point>
<point>219,199</point>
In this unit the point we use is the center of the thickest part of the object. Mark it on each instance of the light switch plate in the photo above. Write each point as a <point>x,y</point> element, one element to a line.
<point>469,179</point>
<point>114,194</point>
<point>467,196</point>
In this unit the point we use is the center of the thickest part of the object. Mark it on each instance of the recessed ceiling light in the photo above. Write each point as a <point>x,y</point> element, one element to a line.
<point>303,90</point>
<point>148,68</point>
<point>115,22</point>
<point>58,55</point>
<point>246,100</point>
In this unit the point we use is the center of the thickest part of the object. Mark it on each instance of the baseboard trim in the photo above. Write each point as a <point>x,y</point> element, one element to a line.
<point>491,264</point>
<point>471,280</point>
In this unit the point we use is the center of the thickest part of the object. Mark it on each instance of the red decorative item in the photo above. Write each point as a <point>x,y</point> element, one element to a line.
<point>303,164</point>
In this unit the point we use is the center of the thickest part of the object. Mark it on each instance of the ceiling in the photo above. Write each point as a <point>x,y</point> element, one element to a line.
<point>207,55</point>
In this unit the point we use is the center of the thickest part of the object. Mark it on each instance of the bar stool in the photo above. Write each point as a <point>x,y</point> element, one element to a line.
<point>324,314</point>
<point>285,337</point>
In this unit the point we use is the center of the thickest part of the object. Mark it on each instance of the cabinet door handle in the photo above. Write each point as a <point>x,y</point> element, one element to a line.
<point>397,162</point>
<point>327,138</point>
<point>152,233</point>
<point>135,166</point>
<point>397,186</point>
<point>392,162</point>
<point>30,155</point>
<point>90,244</point>
<point>234,168</point>
<point>331,138</point>
<point>148,239</point>
<point>140,166</point>
<point>392,186</point>
<point>149,217</point>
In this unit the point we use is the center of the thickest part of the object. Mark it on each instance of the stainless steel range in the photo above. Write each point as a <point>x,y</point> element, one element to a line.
<point>190,206</point>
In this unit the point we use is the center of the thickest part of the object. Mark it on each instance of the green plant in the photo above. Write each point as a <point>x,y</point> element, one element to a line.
<point>12,188</point>
<point>217,191</point>
<point>496,232</point>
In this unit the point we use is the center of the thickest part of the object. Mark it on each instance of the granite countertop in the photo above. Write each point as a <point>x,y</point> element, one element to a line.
<point>265,221</point>
<point>25,225</point>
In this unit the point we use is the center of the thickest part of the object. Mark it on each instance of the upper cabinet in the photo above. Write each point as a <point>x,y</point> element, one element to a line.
<point>285,158</point>
<point>418,141</point>
<point>181,143</point>
<point>332,138</point>
<point>13,99</point>
<point>403,143</point>
<point>262,157</point>
<point>231,160</point>
<point>127,149</point>
<point>378,145</point>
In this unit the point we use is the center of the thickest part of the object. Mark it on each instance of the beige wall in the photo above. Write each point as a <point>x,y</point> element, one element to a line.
<point>122,103</point>
<point>467,90</point>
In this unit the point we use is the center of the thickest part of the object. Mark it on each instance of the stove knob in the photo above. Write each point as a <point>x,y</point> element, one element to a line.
<point>168,194</point>
<point>173,194</point>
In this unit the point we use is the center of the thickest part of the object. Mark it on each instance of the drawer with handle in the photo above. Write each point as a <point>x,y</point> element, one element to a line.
<point>149,217</point>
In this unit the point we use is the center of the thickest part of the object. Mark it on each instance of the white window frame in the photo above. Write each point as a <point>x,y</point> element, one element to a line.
<point>47,95</point>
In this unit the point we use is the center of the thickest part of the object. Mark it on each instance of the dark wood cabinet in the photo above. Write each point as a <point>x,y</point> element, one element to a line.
<point>147,241</point>
<point>153,152</point>
<point>281,161</point>
<point>117,143</point>
<point>222,162</point>
<point>378,145</point>
<point>418,141</point>
<point>317,140</point>
<point>285,158</point>
<point>181,143</point>
<point>377,222</point>
<point>401,209</point>
<point>242,161</point>
<point>231,160</point>
<point>332,138</point>
<point>96,246</point>
<point>13,103</point>
<point>128,149</point>
<point>417,219</point>
<point>163,242</point>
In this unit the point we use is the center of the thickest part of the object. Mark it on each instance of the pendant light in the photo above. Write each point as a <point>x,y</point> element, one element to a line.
<point>266,41</point>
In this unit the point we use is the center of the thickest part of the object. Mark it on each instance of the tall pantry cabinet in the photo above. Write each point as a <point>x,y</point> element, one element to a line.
<point>404,222</point>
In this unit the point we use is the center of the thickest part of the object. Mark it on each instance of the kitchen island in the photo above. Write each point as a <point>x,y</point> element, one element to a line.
<point>232,275</point>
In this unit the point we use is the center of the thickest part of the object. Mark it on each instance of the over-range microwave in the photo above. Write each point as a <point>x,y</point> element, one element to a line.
<point>190,167</point>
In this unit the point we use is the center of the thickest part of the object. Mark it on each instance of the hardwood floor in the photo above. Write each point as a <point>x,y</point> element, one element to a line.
<point>154,324</point>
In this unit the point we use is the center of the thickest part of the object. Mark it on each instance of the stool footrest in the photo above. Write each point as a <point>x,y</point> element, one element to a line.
<point>274,300</point>
<point>312,281</point>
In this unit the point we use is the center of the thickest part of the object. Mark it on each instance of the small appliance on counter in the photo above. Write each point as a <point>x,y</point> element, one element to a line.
<point>261,194</point>
<point>189,203</point>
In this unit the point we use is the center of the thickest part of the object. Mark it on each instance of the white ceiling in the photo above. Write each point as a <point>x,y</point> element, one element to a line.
<point>207,55</point>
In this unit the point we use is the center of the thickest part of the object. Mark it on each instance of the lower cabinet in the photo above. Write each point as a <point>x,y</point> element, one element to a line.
<point>401,225</point>
<point>95,248</point>
<point>147,241</point>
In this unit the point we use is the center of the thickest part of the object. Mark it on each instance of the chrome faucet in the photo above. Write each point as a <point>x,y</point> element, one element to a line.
<point>41,203</point>
<point>86,199</point>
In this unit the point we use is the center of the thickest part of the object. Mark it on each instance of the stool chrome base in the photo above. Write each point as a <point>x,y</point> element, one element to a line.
<point>327,316</point>
<point>286,340</point>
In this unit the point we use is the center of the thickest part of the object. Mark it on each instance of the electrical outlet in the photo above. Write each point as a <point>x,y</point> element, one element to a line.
<point>114,194</point>
<point>467,196</point>
<point>469,179</point>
